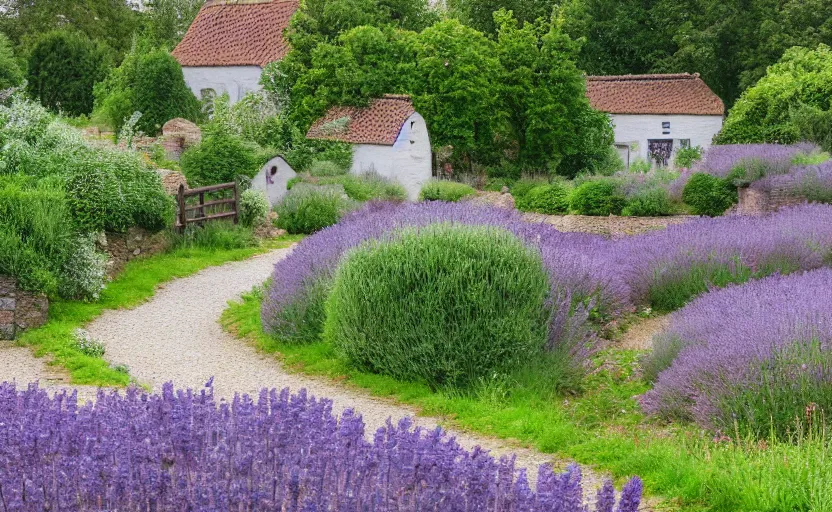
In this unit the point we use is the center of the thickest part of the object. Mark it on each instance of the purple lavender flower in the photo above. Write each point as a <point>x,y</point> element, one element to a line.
<point>776,158</point>
<point>755,338</point>
<point>180,450</point>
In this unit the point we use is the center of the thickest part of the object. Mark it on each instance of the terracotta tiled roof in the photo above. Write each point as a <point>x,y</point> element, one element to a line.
<point>653,94</point>
<point>378,123</point>
<point>237,33</point>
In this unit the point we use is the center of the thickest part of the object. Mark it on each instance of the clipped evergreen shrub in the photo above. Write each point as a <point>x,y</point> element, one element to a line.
<point>550,199</point>
<point>10,73</point>
<point>522,187</point>
<point>448,191</point>
<point>219,158</point>
<point>307,208</point>
<point>160,92</point>
<point>651,202</point>
<point>445,305</point>
<point>709,195</point>
<point>63,69</point>
<point>598,197</point>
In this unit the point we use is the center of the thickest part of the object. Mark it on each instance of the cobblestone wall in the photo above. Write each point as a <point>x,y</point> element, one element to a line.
<point>756,201</point>
<point>19,310</point>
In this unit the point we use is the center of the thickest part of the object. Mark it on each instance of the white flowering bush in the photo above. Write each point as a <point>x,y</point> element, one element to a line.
<point>84,270</point>
<point>86,344</point>
<point>254,208</point>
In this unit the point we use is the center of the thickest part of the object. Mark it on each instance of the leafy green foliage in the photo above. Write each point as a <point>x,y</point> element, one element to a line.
<point>324,168</point>
<point>442,305</point>
<point>814,125</point>
<point>148,81</point>
<point>219,158</point>
<point>217,236</point>
<point>803,77</point>
<point>651,202</point>
<point>254,208</point>
<point>552,199</point>
<point>166,21</point>
<point>307,208</point>
<point>63,68</point>
<point>440,190</point>
<point>730,43</point>
<point>709,195</point>
<point>479,14</point>
<point>686,157</point>
<point>367,187</point>
<point>543,96</point>
<point>112,22</point>
<point>10,73</point>
<point>598,197</point>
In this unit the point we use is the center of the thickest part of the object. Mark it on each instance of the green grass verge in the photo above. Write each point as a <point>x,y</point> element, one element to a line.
<point>603,427</point>
<point>137,282</point>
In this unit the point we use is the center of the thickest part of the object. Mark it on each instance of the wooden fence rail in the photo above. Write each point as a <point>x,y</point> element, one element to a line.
<point>205,211</point>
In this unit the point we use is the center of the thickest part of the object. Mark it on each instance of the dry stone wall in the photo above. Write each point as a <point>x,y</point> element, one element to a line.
<point>20,310</point>
<point>756,201</point>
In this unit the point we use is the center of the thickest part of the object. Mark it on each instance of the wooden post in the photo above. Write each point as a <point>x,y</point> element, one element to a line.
<point>183,218</point>
<point>201,205</point>
<point>236,203</point>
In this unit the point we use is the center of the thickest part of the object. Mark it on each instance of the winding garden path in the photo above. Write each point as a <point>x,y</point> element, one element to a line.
<point>176,337</point>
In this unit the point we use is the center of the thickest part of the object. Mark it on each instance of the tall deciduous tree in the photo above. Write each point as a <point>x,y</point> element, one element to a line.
<point>110,21</point>
<point>479,14</point>
<point>10,74</point>
<point>166,21</point>
<point>63,69</point>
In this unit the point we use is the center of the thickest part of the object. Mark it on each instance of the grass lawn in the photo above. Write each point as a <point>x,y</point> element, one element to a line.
<point>137,283</point>
<point>603,427</point>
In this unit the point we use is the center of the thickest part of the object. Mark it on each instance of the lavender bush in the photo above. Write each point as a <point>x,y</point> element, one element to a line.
<point>591,279</point>
<point>758,354</point>
<point>772,159</point>
<point>813,182</point>
<point>183,451</point>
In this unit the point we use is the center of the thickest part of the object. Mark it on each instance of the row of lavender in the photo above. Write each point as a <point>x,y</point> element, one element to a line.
<point>757,354</point>
<point>183,451</point>
<point>590,277</point>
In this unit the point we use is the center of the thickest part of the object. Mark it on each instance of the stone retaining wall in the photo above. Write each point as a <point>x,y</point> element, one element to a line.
<point>124,247</point>
<point>20,310</point>
<point>755,201</point>
<point>611,227</point>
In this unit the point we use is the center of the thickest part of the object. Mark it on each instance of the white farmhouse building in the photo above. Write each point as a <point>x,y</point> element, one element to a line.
<point>655,115</point>
<point>389,137</point>
<point>229,43</point>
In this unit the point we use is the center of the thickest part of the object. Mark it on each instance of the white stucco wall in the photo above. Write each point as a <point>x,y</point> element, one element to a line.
<point>236,81</point>
<point>273,178</point>
<point>636,130</point>
<point>408,161</point>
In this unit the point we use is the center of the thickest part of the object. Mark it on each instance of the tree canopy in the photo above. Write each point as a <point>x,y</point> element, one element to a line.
<point>767,112</point>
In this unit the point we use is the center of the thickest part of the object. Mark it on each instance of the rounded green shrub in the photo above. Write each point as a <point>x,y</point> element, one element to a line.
<point>219,158</point>
<point>709,195</point>
<point>63,69</point>
<point>254,208</point>
<point>598,197</point>
<point>449,191</point>
<point>446,305</point>
<point>160,92</point>
<point>547,199</point>
<point>652,202</point>
<point>307,208</point>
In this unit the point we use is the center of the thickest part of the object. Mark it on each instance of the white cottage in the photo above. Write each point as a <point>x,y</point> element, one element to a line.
<point>230,42</point>
<point>389,137</point>
<point>273,179</point>
<point>655,115</point>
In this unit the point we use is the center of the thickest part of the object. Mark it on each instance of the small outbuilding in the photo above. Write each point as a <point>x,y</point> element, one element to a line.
<point>656,115</point>
<point>230,42</point>
<point>273,179</point>
<point>388,136</point>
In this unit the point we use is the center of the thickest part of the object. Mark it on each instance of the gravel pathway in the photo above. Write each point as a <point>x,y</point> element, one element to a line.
<point>176,337</point>
<point>19,365</point>
<point>639,336</point>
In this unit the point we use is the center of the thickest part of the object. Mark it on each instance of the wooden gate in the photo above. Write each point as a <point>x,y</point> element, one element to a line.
<point>223,203</point>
